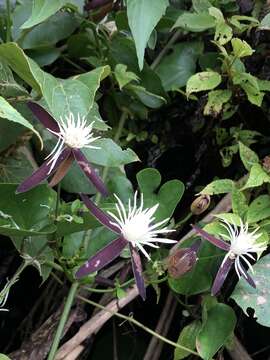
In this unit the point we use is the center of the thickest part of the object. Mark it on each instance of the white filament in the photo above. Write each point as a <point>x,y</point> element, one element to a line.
<point>74,134</point>
<point>136,224</point>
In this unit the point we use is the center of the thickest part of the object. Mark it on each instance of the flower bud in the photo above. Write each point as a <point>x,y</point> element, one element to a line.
<point>181,261</point>
<point>200,204</point>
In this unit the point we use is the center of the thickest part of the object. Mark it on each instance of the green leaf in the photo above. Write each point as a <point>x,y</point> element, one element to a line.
<point>43,9</point>
<point>123,76</point>
<point>258,299</point>
<point>15,167</point>
<point>239,203</point>
<point>76,181</point>
<point>248,156</point>
<point>233,219</point>
<point>201,5</point>
<point>177,67</point>
<point>8,86</point>
<point>223,33</point>
<point>26,214</point>
<point>143,16</point>
<point>259,209</point>
<point>206,80</point>
<point>146,97</point>
<point>10,113</point>
<point>74,95</point>
<point>44,56</point>
<point>250,85</point>
<point>265,23</point>
<point>110,154</point>
<point>4,357</point>
<point>216,330</point>
<point>58,27</point>
<point>35,249</point>
<point>195,22</point>
<point>187,338</point>
<point>241,48</point>
<point>221,186</point>
<point>168,195</point>
<point>257,177</point>
<point>215,102</point>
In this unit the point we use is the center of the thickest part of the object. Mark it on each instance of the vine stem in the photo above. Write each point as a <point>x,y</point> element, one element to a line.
<point>63,320</point>
<point>13,280</point>
<point>137,323</point>
<point>165,49</point>
<point>8,22</point>
<point>116,138</point>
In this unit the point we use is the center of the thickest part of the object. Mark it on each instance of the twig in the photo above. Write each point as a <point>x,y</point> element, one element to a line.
<point>238,352</point>
<point>131,320</point>
<point>75,353</point>
<point>166,49</point>
<point>155,346</point>
<point>91,326</point>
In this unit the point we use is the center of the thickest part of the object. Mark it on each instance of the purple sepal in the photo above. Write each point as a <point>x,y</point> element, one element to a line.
<point>247,277</point>
<point>42,173</point>
<point>102,257</point>
<point>43,116</point>
<point>212,239</point>
<point>90,172</point>
<point>196,246</point>
<point>221,275</point>
<point>137,271</point>
<point>102,217</point>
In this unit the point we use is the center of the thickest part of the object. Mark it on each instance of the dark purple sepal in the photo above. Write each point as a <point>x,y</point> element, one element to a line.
<point>212,239</point>
<point>102,217</point>
<point>247,277</point>
<point>102,257</point>
<point>137,271</point>
<point>221,275</point>
<point>42,173</point>
<point>90,172</point>
<point>43,116</point>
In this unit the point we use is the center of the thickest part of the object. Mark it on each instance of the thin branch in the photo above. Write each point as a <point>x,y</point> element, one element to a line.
<point>166,48</point>
<point>155,346</point>
<point>97,321</point>
<point>238,352</point>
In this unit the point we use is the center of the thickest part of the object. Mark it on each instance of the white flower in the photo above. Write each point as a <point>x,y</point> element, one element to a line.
<point>242,244</point>
<point>136,224</point>
<point>74,134</point>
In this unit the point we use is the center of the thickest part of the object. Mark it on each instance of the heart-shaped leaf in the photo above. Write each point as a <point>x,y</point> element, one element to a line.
<point>167,196</point>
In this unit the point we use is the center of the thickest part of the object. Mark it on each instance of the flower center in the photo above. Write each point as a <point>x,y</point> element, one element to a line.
<point>136,229</point>
<point>75,137</point>
<point>242,244</point>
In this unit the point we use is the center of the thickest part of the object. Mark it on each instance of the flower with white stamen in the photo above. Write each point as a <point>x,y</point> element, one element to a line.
<point>137,224</point>
<point>73,134</point>
<point>242,244</point>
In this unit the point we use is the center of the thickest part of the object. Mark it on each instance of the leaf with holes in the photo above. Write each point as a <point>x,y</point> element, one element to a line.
<point>258,299</point>
<point>202,81</point>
